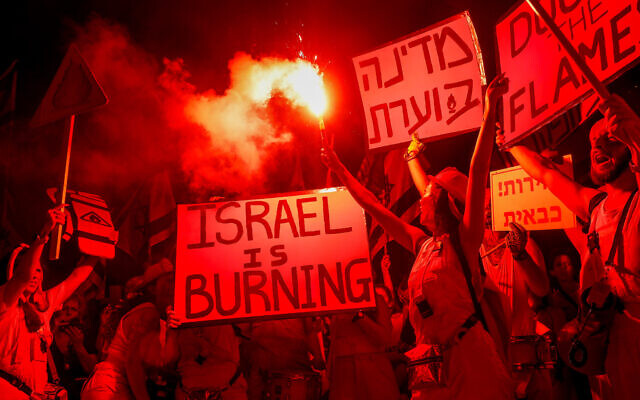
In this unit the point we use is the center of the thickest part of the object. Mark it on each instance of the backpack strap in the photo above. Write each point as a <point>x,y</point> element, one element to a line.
<point>455,240</point>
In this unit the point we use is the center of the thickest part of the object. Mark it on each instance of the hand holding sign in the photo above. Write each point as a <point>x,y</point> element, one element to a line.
<point>56,215</point>
<point>498,87</point>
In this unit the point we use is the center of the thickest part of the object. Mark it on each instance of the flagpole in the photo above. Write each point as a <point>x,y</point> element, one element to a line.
<point>54,248</point>
<point>598,86</point>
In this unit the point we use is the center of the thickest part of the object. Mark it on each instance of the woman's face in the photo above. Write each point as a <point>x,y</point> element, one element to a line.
<point>70,310</point>
<point>35,281</point>
<point>563,267</point>
<point>428,205</point>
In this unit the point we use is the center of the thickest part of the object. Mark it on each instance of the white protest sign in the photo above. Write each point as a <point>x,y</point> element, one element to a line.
<point>517,197</point>
<point>543,80</point>
<point>429,82</point>
<point>299,254</point>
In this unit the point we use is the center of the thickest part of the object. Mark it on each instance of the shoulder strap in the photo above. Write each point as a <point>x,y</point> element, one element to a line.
<point>55,378</point>
<point>455,240</point>
<point>618,235</point>
<point>596,200</point>
<point>593,203</point>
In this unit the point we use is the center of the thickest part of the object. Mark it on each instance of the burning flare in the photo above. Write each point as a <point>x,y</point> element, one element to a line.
<point>299,81</point>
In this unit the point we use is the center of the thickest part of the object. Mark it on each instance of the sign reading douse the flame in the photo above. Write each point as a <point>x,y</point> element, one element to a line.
<point>300,254</point>
<point>543,80</point>
<point>429,82</point>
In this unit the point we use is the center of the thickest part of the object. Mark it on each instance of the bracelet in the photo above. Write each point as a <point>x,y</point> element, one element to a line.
<point>410,155</point>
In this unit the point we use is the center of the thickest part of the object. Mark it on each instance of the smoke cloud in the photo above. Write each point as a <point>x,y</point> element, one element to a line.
<point>157,119</point>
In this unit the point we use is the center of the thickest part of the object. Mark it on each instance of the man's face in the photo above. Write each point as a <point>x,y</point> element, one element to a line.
<point>609,157</point>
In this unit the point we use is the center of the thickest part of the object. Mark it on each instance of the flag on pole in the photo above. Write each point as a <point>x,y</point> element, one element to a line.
<point>398,195</point>
<point>73,90</point>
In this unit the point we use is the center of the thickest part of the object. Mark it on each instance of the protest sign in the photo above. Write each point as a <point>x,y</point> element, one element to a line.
<point>429,82</point>
<point>90,216</point>
<point>73,90</point>
<point>286,256</point>
<point>517,197</point>
<point>543,80</point>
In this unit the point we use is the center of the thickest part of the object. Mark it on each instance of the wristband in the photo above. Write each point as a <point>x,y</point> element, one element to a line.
<point>410,155</point>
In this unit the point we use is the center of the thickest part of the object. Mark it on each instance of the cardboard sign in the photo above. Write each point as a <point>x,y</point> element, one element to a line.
<point>96,234</point>
<point>429,82</point>
<point>90,216</point>
<point>517,197</point>
<point>301,254</point>
<point>543,81</point>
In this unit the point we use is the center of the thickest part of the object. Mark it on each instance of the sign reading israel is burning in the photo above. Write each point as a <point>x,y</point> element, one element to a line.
<point>304,253</point>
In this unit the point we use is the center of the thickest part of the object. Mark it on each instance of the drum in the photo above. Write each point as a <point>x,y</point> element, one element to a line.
<point>293,386</point>
<point>533,352</point>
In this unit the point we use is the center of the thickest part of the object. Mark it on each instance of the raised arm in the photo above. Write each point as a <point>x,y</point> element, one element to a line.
<point>575,196</point>
<point>417,164</point>
<point>529,259</point>
<point>403,233</point>
<point>30,261</point>
<point>472,226</point>
<point>77,277</point>
<point>624,125</point>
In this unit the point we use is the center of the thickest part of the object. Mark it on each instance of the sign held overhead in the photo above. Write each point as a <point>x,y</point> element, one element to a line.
<point>543,80</point>
<point>73,90</point>
<point>429,82</point>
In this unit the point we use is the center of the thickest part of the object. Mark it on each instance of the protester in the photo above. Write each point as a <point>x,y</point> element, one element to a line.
<point>518,270</point>
<point>278,352</point>
<point>443,309</point>
<point>359,366</point>
<point>143,347</point>
<point>209,365</point>
<point>25,316</point>
<point>615,153</point>
<point>72,353</point>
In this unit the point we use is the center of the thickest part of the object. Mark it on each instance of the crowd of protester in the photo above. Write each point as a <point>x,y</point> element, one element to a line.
<point>480,315</point>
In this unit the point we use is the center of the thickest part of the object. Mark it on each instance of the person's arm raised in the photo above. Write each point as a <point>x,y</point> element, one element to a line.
<point>472,226</point>
<point>30,260</point>
<point>416,163</point>
<point>624,125</point>
<point>575,196</point>
<point>405,234</point>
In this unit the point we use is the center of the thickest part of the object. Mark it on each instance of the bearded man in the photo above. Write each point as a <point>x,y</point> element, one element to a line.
<point>615,153</point>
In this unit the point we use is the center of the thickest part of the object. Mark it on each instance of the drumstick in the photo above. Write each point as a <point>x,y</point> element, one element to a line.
<point>496,248</point>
